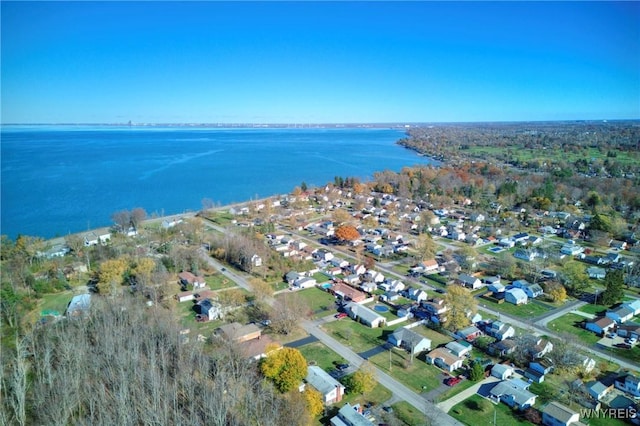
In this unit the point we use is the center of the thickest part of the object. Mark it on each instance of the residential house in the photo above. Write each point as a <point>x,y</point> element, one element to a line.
<point>597,389</point>
<point>323,254</point>
<point>184,296</point>
<point>79,305</point>
<point>621,314</point>
<point>634,306</point>
<point>357,269</point>
<point>339,262</point>
<point>496,288</point>
<point>533,375</point>
<point>515,393</point>
<point>531,290</point>
<point>527,255</point>
<point>499,330</point>
<point>556,414</point>
<point>629,384</point>
<point>368,286</point>
<point>305,282</point>
<point>571,249</point>
<point>596,273</point>
<point>540,347</point>
<point>346,292</point>
<point>470,333</point>
<point>502,371</point>
<point>365,315</point>
<point>520,238</point>
<point>410,340</point>
<point>516,296</point>
<point>209,309</point>
<point>430,266</point>
<point>374,276</point>
<point>444,359</point>
<point>541,365</point>
<point>629,330</point>
<point>469,281</point>
<point>389,296</point>
<point>259,348</point>
<point>353,279</point>
<point>503,347</point>
<point>459,348</point>
<point>97,237</point>
<point>588,364</point>
<point>601,325</point>
<point>490,280</point>
<point>239,333</point>
<point>417,294</point>
<point>331,390</point>
<point>187,278</point>
<point>256,260</point>
<point>350,416</point>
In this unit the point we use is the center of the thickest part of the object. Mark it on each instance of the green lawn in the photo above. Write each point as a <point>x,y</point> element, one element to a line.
<point>593,309</point>
<point>408,414</point>
<point>530,310</point>
<point>357,336</point>
<point>377,396</point>
<point>478,411</point>
<point>319,301</point>
<point>218,281</point>
<point>418,375</point>
<point>317,353</point>
<point>571,323</point>
<point>55,302</point>
<point>437,339</point>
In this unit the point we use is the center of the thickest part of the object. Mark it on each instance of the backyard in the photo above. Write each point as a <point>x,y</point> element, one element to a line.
<point>477,410</point>
<point>572,324</point>
<point>320,302</point>
<point>529,310</point>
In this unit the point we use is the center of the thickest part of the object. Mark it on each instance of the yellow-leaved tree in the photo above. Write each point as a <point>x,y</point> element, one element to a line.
<point>111,274</point>
<point>462,306</point>
<point>285,368</point>
<point>313,398</point>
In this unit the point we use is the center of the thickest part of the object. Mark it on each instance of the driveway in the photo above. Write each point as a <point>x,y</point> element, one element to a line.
<point>301,342</point>
<point>449,403</point>
<point>374,351</point>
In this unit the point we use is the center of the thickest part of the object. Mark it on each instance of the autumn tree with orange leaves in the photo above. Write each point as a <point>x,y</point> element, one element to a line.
<point>347,233</point>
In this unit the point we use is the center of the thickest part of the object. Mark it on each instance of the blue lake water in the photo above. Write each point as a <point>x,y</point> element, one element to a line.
<point>60,180</point>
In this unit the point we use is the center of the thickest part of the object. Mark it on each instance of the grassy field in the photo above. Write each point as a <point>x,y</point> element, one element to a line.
<point>317,353</point>
<point>408,414</point>
<point>356,336</point>
<point>571,323</point>
<point>377,396</point>
<point>478,411</point>
<point>530,310</point>
<point>592,309</point>
<point>418,375</point>
<point>437,339</point>
<point>319,301</point>
<point>55,302</point>
<point>218,281</point>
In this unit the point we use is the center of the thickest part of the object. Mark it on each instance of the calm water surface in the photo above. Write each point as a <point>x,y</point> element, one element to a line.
<point>57,180</point>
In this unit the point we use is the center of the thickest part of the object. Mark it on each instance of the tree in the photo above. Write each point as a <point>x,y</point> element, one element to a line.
<point>555,292</point>
<point>122,219</point>
<point>285,368</point>
<point>614,288</point>
<point>137,216</point>
<point>575,278</point>
<point>341,216</point>
<point>504,265</point>
<point>111,274</point>
<point>288,310</point>
<point>425,247</point>
<point>467,258</point>
<point>363,380</point>
<point>75,243</point>
<point>313,398</point>
<point>462,306</point>
<point>347,233</point>
<point>477,371</point>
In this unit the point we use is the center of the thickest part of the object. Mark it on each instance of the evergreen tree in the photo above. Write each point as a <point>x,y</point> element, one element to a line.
<point>614,291</point>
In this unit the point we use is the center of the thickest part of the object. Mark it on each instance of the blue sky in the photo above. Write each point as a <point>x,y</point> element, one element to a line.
<point>306,62</point>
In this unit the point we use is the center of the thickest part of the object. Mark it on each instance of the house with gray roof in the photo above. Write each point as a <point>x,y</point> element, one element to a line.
<point>365,315</point>
<point>516,296</point>
<point>556,414</point>
<point>499,330</point>
<point>350,416</point>
<point>469,281</point>
<point>502,371</point>
<point>410,340</point>
<point>331,390</point>
<point>620,314</point>
<point>597,389</point>
<point>515,393</point>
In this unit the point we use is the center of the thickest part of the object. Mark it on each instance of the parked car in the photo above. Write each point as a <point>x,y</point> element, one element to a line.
<point>340,315</point>
<point>611,335</point>
<point>452,381</point>
<point>342,367</point>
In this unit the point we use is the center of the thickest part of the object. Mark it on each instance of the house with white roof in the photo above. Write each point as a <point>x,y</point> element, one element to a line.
<point>445,359</point>
<point>516,296</point>
<point>556,414</point>
<point>331,390</point>
<point>515,393</point>
<point>365,315</point>
<point>502,371</point>
<point>620,314</point>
